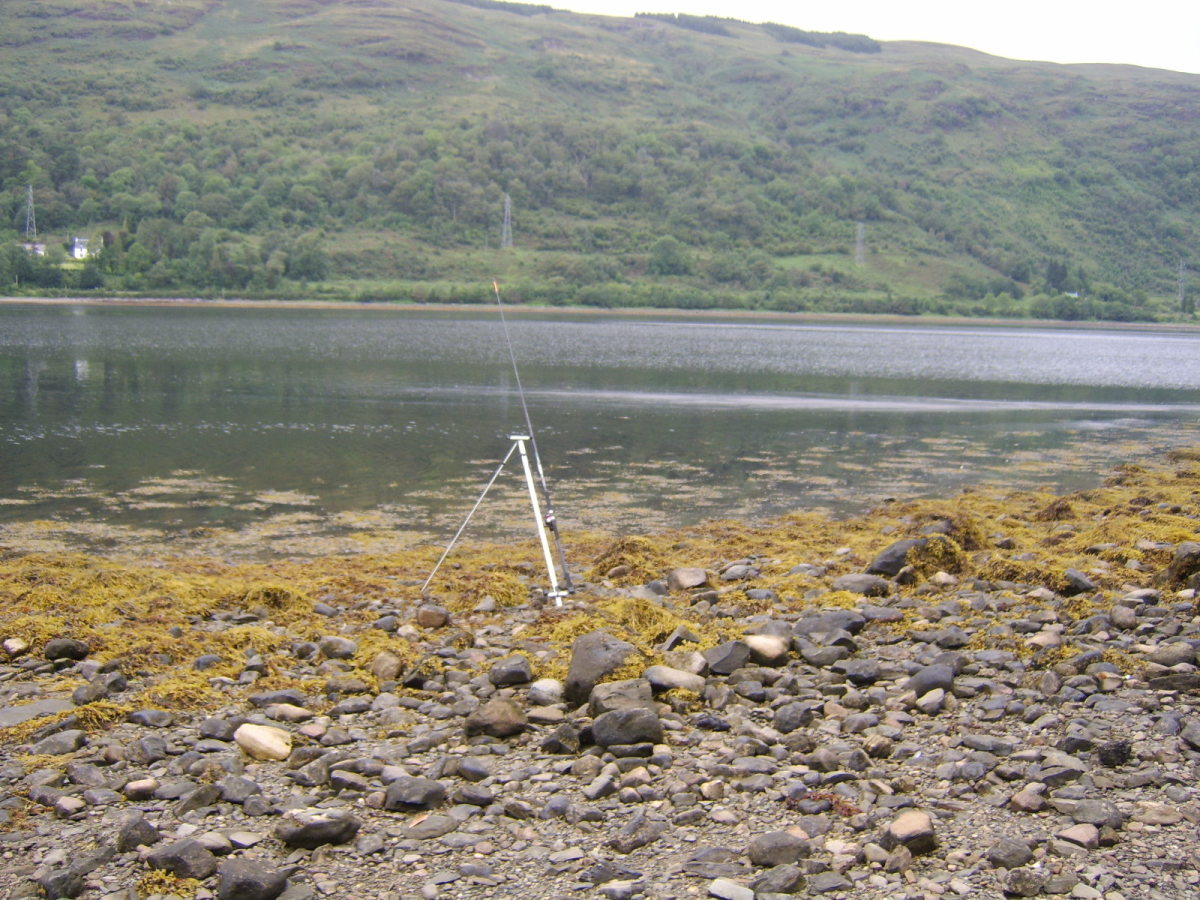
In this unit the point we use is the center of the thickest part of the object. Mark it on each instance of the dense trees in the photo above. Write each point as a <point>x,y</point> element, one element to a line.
<point>712,164</point>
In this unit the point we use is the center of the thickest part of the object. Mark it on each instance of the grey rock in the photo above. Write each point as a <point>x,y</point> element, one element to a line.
<point>1024,883</point>
<point>499,717</point>
<point>1185,563</point>
<point>686,578</point>
<point>863,583</point>
<point>61,881</point>
<point>236,789</point>
<point>15,715</point>
<point>930,678</point>
<point>665,678</point>
<point>411,792</point>
<point>58,744</point>
<point>511,670</point>
<point>593,656</point>
<point>1009,853</point>
<point>891,559</point>
<point>431,827</point>
<point>784,879</point>
<point>334,646</point>
<point>101,687</point>
<point>777,848</point>
<point>151,718</point>
<point>631,692</point>
<point>1098,812</point>
<point>632,725</point>
<point>1076,582</point>
<point>134,831</point>
<point>249,879</point>
<point>312,828</point>
<point>203,796</point>
<point>187,858</point>
<point>792,716</point>
<point>827,882</point>
<point>637,832</point>
<point>727,657</point>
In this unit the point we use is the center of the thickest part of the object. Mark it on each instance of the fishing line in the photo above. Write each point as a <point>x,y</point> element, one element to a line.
<point>550,519</point>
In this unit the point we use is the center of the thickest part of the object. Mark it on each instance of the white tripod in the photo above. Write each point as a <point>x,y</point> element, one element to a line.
<point>556,591</point>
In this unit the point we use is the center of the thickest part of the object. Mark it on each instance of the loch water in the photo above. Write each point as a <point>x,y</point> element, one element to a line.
<point>168,420</point>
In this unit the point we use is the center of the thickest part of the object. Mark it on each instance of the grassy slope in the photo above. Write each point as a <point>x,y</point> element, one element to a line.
<point>958,162</point>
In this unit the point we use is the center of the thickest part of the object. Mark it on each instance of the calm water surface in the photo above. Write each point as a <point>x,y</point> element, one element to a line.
<point>280,430</point>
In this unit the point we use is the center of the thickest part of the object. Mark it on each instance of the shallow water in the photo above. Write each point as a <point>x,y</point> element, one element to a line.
<point>281,430</point>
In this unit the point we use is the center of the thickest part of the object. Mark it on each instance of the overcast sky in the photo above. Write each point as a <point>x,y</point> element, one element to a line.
<point>1162,34</point>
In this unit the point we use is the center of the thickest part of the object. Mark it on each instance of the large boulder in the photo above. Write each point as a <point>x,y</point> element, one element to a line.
<point>891,559</point>
<point>593,656</point>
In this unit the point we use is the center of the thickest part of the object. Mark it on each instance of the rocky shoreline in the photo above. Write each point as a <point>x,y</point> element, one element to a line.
<point>988,696</point>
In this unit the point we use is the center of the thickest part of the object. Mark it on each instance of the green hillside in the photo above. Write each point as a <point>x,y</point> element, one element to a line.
<point>363,149</point>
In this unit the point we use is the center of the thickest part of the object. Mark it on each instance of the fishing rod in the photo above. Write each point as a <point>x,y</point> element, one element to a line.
<point>550,520</point>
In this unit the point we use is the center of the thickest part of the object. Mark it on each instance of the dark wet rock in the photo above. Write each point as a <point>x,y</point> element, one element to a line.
<point>863,583</point>
<point>249,879</point>
<point>151,718</point>
<point>1009,853</point>
<point>1180,681</point>
<point>312,828</point>
<point>823,626</point>
<point>135,831</point>
<point>1024,882</point>
<point>412,793</point>
<point>236,789</point>
<point>1114,753</point>
<point>291,696</point>
<point>1097,811</point>
<point>930,678</point>
<point>792,716</point>
<point>913,830</point>
<point>62,881</point>
<point>727,657</point>
<point>593,656</point>
<point>891,559</point>
<point>511,670</point>
<point>1076,582</point>
<point>187,858</point>
<point>564,739</point>
<point>203,796</point>
<point>632,725</point>
<point>827,882</point>
<point>783,879</point>
<point>103,686</point>
<point>65,649</point>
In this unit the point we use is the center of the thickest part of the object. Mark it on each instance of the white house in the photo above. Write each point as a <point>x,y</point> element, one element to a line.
<point>79,248</point>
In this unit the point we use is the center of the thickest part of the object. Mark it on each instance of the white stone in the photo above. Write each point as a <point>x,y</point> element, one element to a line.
<point>724,889</point>
<point>263,741</point>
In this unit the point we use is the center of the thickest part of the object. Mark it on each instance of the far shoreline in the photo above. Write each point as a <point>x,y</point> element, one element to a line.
<point>801,317</point>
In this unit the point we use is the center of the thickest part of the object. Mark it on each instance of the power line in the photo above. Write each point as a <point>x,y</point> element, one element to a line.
<point>506,232</point>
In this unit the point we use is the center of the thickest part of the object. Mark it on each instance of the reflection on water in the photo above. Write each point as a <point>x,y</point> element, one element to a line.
<point>266,429</point>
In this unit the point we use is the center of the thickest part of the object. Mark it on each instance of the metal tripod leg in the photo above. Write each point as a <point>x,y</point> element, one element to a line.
<point>555,590</point>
